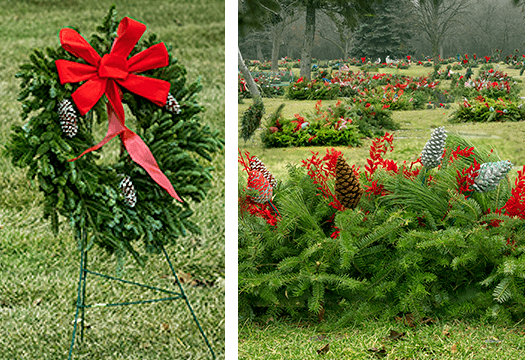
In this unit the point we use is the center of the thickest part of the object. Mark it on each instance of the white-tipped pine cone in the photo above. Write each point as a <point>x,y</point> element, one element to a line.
<point>433,149</point>
<point>68,118</point>
<point>257,165</point>
<point>172,105</point>
<point>128,191</point>
<point>490,174</point>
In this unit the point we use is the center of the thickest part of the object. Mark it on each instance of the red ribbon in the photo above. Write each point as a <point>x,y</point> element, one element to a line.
<point>102,75</point>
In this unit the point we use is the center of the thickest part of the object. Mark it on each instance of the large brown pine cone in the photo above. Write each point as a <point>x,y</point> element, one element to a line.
<point>347,188</point>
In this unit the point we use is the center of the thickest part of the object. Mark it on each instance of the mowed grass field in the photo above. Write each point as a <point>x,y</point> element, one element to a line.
<point>507,139</point>
<point>39,272</point>
<point>284,338</point>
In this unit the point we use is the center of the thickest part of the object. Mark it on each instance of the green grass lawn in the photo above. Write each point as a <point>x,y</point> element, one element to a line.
<point>416,126</point>
<point>39,272</point>
<point>273,340</point>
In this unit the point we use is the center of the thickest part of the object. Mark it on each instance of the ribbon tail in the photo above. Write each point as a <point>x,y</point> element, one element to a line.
<point>115,127</point>
<point>140,153</point>
<point>113,94</point>
<point>273,206</point>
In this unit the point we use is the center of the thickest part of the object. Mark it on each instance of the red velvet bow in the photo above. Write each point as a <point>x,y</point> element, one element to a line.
<point>101,76</point>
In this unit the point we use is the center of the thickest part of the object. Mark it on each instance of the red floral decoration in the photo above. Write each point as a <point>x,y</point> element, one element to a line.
<point>515,206</point>
<point>467,178</point>
<point>248,204</point>
<point>300,121</point>
<point>466,152</point>
<point>321,170</point>
<point>378,148</point>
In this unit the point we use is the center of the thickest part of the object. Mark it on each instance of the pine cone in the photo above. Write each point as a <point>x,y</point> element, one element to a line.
<point>128,191</point>
<point>490,174</point>
<point>433,149</point>
<point>257,165</point>
<point>257,181</point>
<point>172,105</point>
<point>68,118</point>
<point>347,188</point>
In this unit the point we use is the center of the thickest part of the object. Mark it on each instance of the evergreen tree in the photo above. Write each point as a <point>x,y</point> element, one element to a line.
<point>385,34</point>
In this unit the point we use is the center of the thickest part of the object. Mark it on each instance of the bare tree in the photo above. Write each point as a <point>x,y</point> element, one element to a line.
<point>342,30</point>
<point>437,19</point>
<point>352,10</point>
<point>277,25</point>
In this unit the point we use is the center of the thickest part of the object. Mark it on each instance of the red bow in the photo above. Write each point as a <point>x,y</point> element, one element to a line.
<point>101,76</point>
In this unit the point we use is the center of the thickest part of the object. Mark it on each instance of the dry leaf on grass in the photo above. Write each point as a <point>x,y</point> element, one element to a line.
<point>377,352</point>
<point>324,349</point>
<point>165,327</point>
<point>394,335</point>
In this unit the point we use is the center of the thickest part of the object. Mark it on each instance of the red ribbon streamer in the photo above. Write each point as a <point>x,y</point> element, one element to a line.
<point>102,75</point>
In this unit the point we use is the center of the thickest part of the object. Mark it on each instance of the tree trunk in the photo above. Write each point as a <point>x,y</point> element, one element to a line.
<point>308,42</point>
<point>252,87</point>
<point>346,47</point>
<point>277,32</point>
<point>260,55</point>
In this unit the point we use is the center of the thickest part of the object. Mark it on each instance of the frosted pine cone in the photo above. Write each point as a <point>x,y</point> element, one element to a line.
<point>490,174</point>
<point>347,188</point>
<point>433,149</point>
<point>172,105</point>
<point>257,165</point>
<point>128,191</point>
<point>68,118</point>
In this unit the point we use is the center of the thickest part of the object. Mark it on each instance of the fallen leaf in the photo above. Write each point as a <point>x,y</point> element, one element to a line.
<point>184,277</point>
<point>410,320</point>
<point>454,348</point>
<point>394,335</point>
<point>377,352</point>
<point>165,327</point>
<point>427,321</point>
<point>324,349</point>
<point>201,283</point>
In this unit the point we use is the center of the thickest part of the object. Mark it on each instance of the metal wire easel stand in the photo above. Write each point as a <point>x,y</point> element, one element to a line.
<point>81,305</point>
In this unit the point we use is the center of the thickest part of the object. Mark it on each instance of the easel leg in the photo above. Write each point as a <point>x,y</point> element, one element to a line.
<point>81,293</point>
<point>187,301</point>
<point>83,298</point>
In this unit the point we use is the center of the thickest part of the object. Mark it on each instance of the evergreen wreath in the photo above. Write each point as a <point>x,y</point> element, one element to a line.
<point>118,204</point>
